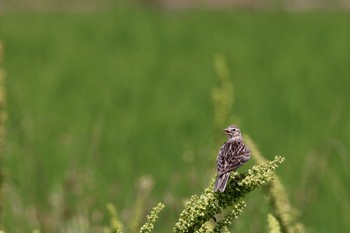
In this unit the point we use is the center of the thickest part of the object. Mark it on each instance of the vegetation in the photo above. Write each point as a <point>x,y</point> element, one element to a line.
<point>96,101</point>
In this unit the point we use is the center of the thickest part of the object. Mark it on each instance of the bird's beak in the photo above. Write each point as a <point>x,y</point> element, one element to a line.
<point>226,131</point>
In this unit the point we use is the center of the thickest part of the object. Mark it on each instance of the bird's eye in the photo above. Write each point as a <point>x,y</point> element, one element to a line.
<point>233,129</point>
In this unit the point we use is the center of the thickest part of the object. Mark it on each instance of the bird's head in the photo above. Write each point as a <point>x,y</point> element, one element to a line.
<point>232,132</point>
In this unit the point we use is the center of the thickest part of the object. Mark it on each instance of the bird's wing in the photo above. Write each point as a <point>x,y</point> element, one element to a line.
<point>231,156</point>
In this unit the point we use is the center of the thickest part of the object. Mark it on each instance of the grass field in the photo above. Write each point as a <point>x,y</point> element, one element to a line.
<point>97,100</point>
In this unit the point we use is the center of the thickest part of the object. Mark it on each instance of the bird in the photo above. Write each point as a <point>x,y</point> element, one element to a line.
<point>232,154</point>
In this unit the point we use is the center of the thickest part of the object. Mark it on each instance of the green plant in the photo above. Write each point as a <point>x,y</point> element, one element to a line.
<point>201,209</point>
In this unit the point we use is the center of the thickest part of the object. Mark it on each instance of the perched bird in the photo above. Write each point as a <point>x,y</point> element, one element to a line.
<point>232,155</point>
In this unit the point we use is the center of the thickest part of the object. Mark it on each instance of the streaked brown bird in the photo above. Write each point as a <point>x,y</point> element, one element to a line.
<point>232,155</point>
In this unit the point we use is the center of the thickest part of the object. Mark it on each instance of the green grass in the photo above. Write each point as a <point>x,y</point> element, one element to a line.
<point>97,100</point>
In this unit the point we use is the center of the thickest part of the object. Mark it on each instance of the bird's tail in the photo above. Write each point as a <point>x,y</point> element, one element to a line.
<point>221,181</point>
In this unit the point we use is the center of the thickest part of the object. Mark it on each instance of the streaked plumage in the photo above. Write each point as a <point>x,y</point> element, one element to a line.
<point>232,155</point>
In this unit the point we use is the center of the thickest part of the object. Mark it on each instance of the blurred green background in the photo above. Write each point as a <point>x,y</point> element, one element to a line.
<point>97,100</point>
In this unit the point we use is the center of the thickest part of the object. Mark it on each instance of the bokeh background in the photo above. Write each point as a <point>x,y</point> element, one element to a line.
<point>106,98</point>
